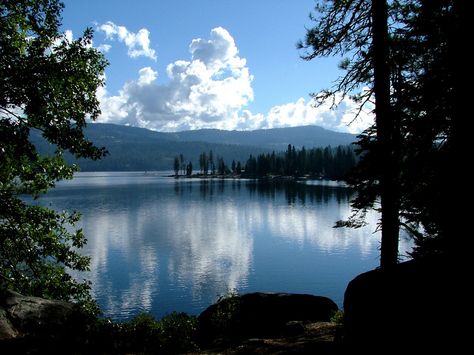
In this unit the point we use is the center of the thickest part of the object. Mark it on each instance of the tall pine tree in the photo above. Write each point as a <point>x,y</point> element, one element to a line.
<point>408,65</point>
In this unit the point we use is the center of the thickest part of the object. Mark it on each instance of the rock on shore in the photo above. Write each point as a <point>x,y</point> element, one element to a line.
<point>26,321</point>
<point>261,315</point>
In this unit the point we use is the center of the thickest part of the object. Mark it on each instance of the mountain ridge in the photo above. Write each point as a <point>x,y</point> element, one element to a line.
<point>309,136</point>
<point>140,149</point>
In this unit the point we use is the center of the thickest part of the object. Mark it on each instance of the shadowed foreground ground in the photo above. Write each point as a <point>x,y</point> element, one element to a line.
<point>312,338</point>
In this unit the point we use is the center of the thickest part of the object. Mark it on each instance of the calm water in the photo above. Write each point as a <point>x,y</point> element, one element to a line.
<point>159,244</point>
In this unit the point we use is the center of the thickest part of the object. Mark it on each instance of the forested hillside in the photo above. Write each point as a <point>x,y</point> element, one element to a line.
<point>132,148</point>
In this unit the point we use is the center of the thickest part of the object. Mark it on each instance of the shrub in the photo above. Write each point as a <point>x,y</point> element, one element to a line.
<point>338,317</point>
<point>174,333</point>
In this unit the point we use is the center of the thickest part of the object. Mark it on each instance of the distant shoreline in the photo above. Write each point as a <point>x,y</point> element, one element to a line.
<point>252,177</point>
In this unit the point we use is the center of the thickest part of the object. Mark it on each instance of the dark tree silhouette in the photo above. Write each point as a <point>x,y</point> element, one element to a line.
<point>330,164</point>
<point>386,135</point>
<point>176,166</point>
<point>409,66</point>
<point>359,28</point>
<point>181,161</point>
<point>211,162</point>
<point>429,101</point>
<point>189,169</point>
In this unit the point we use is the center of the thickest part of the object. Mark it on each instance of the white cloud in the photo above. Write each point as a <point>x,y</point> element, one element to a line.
<point>65,38</point>
<point>212,90</point>
<point>209,90</point>
<point>68,35</point>
<point>147,76</point>
<point>138,44</point>
<point>104,48</point>
<point>302,113</point>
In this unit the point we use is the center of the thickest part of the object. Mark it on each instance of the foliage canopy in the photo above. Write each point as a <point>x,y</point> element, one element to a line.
<point>48,84</point>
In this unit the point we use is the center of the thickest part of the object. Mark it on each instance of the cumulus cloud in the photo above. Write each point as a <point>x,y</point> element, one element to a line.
<point>212,90</point>
<point>138,44</point>
<point>302,113</point>
<point>208,90</point>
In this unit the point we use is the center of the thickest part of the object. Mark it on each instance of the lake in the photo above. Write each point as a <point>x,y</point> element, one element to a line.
<point>160,245</point>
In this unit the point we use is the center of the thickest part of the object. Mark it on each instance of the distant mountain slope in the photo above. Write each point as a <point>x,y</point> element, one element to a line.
<point>276,138</point>
<point>124,134</point>
<point>133,148</point>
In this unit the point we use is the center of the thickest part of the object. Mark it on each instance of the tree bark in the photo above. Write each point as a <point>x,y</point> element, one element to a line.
<point>386,137</point>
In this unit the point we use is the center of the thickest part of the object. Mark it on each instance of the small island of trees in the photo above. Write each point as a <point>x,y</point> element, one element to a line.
<point>322,163</point>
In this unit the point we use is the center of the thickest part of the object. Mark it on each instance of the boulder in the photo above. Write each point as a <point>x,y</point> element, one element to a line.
<point>7,330</point>
<point>261,315</point>
<point>30,314</point>
<point>33,322</point>
<point>411,306</point>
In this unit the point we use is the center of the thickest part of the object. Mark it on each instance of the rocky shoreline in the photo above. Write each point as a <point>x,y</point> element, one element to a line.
<point>255,322</point>
<point>411,306</point>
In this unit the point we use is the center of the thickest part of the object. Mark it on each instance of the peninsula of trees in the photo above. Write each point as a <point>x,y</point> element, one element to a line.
<point>324,163</point>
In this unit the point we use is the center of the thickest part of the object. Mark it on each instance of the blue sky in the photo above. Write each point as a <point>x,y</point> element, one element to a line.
<point>228,64</point>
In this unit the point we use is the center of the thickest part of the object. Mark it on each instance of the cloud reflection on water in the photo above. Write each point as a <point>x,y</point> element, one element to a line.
<point>179,245</point>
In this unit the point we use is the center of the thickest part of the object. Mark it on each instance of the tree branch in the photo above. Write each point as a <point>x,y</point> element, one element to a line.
<point>9,112</point>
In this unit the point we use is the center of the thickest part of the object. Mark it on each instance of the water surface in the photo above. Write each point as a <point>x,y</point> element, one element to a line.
<point>160,245</point>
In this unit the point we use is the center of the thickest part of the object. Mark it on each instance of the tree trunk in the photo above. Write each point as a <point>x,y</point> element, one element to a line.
<point>455,222</point>
<point>385,123</point>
